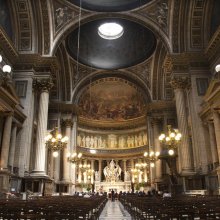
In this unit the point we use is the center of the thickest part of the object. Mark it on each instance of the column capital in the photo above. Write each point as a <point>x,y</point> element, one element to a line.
<point>67,122</point>
<point>180,82</point>
<point>43,84</point>
<point>156,120</point>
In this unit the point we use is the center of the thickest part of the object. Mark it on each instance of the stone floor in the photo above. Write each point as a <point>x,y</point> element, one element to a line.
<point>114,210</point>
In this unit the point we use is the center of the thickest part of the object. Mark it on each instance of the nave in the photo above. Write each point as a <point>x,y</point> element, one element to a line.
<point>114,210</point>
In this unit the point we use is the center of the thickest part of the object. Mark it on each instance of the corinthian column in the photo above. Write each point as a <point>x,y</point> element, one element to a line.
<point>43,86</point>
<point>185,155</point>
<point>212,139</point>
<point>12,147</point>
<point>66,165</point>
<point>100,170</point>
<point>216,119</point>
<point>6,142</point>
<point>156,133</point>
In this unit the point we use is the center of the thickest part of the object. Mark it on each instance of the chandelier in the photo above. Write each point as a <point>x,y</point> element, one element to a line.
<point>55,141</point>
<point>74,158</point>
<point>151,156</point>
<point>136,172</point>
<point>171,139</point>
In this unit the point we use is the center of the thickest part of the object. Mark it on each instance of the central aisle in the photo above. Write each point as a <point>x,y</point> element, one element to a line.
<point>114,210</point>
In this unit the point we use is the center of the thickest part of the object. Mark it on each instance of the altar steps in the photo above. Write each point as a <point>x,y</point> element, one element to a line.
<point>114,211</point>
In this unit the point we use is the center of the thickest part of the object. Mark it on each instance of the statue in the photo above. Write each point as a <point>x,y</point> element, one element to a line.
<point>145,139</point>
<point>91,142</point>
<point>79,140</point>
<point>136,140</point>
<point>83,141</point>
<point>95,142</point>
<point>112,172</point>
<point>87,141</point>
<point>127,176</point>
<point>99,142</point>
<point>97,178</point>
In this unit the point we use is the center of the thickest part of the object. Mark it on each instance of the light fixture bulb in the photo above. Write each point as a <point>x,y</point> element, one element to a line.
<point>171,152</point>
<point>92,151</point>
<point>59,136</point>
<point>152,165</point>
<point>55,154</point>
<point>0,58</point>
<point>6,69</point>
<point>167,139</point>
<point>217,68</point>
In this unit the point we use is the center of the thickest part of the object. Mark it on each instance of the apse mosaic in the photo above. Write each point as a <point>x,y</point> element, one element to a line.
<point>111,99</point>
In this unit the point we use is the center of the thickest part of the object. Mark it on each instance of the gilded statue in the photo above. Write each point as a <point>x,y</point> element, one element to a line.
<point>112,172</point>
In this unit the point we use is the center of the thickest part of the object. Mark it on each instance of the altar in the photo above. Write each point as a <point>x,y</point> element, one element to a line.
<point>113,181</point>
<point>116,186</point>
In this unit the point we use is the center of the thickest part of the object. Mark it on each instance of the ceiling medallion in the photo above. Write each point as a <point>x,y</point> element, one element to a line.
<point>110,30</point>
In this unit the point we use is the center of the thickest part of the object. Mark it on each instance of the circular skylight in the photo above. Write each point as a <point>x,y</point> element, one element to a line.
<point>110,31</point>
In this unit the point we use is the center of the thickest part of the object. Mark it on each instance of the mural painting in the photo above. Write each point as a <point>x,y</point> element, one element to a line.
<point>111,99</point>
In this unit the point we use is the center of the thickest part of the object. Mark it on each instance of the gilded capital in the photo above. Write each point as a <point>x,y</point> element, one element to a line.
<point>43,85</point>
<point>180,82</point>
<point>67,122</point>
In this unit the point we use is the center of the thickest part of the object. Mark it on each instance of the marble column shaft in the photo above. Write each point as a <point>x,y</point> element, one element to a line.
<point>66,164</point>
<point>184,148</point>
<point>212,139</point>
<point>158,163</point>
<point>92,168</point>
<point>125,169</point>
<point>216,119</point>
<point>44,86</point>
<point>6,142</point>
<point>12,146</point>
<point>73,144</point>
<point>100,170</point>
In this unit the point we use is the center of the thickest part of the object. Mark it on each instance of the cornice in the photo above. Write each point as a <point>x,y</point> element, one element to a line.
<point>160,106</point>
<point>132,123</point>
<point>116,153</point>
<point>184,62</point>
<point>212,51</point>
<point>65,108</point>
<point>36,62</point>
<point>7,46</point>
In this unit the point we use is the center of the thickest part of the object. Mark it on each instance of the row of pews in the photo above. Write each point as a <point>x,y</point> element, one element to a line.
<point>52,208</point>
<point>179,207</point>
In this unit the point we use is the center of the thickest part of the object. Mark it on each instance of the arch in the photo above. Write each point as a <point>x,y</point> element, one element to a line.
<point>83,83</point>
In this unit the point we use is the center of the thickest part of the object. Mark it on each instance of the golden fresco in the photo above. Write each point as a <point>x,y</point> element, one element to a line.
<point>111,99</point>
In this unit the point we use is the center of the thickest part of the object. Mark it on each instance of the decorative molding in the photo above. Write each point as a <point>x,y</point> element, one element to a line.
<point>67,122</point>
<point>63,14</point>
<point>7,46</point>
<point>180,82</point>
<point>119,151</point>
<point>45,26</point>
<point>160,106</point>
<point>213,49</point>
<point>143,70</point>
<point>79,71</point>
<point>24,25</point>
<point>175,26</point>
<point>132,123</point>
<point>43,85</point>
<point>158,13</point>
<point>196,24</point>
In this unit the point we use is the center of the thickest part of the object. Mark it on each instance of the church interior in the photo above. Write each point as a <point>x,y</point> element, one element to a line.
<point>110,97</point>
